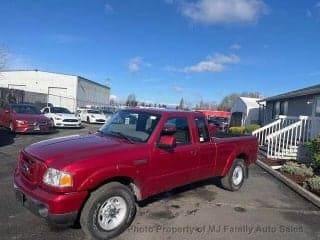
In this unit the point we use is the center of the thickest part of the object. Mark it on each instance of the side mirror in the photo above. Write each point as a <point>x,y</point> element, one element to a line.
<point>167,142</point>
<point>212,129</point>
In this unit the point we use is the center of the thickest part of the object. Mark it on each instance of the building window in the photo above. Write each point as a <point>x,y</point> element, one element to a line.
<point>276,109</point>
<point>317,106</point>
<point>284,108</point>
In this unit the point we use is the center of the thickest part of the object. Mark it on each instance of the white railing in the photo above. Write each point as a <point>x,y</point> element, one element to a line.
<point>273,127</point>
<point>285,142</point>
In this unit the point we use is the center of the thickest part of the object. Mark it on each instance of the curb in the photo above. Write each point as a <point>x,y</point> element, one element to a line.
<point>294,186</point>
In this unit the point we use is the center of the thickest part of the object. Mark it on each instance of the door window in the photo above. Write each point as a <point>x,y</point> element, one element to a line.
<point>182,133</point>
<point>202,130</point>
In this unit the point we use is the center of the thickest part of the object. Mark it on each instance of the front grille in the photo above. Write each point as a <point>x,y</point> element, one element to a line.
<point>100,120</point>
<point>44,123</point>
<point>70,120</point>
<point>29,168</point>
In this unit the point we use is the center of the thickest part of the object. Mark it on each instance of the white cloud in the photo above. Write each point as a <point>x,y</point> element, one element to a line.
<point>216,63</point>
<point>314,74</point>
<point>169,1</point>
<point>64,38</point>
<point>235,46</point>
<point>108,8</point>
<point>177,88</point>
<point>308,13</point>
<point>224,11</point>
<point>136,63</point>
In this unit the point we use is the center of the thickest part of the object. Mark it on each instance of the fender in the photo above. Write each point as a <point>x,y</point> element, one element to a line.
<point>232,157</point>
<point>97,178</point>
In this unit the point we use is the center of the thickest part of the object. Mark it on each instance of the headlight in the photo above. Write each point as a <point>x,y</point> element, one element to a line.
<point>57,118</point>
<point>93,116</point>
<point>21,122</point>
<point>57,178</point>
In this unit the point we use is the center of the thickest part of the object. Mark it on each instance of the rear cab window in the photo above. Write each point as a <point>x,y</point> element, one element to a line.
<point>202,130</point>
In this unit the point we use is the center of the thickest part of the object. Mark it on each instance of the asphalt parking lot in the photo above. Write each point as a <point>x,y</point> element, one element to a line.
<point>263,209</point>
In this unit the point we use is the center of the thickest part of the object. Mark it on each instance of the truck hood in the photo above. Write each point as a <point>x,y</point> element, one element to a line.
<point>64,150</point>
<point>65,115</point>
<point>30,117</point>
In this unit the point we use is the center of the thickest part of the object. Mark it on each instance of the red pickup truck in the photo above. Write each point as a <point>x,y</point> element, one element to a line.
<point>97,178</point>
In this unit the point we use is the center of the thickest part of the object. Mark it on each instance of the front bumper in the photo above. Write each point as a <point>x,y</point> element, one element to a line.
<point>57,208</point>
<point>32,129</point>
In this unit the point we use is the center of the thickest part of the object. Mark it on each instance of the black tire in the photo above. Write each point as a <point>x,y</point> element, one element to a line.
<point>91,213</point>
<point>88,119</point>
<point>233,181</point>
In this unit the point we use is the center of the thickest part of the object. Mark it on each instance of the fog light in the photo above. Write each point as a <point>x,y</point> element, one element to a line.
<point>43,212</point>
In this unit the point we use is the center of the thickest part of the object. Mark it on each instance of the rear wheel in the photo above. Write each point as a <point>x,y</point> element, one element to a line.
<point>235,177</point>
<point>108,212</point>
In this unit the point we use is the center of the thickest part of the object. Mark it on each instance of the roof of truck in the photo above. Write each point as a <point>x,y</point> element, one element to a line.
<point>165,111</point>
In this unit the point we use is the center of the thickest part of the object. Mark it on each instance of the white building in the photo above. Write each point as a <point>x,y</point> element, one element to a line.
<point>63,90</point>
<point>245,111</point>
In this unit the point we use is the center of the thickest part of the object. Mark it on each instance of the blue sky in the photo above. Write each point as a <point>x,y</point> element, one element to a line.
<point>163,50</point>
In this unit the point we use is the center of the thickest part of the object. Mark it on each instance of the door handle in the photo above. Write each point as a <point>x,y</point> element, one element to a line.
<point>194,152</point>
<point>140,162</point>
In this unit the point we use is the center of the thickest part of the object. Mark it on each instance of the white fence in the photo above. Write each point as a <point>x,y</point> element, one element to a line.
<point>283,137</point>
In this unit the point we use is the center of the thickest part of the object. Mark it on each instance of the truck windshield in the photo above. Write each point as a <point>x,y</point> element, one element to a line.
<point>135,126</point>
<point>94,111</point>
<point>25,109</point>
<point>60,110</point>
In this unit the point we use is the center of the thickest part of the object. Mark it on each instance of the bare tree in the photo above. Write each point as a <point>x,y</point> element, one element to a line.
<point>181,104</point>
<point>3,58</point>
<point>131,100</point>
<point>228,101</point>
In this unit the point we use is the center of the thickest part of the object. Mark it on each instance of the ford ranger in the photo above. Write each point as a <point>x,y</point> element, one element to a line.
<point>97,179</point>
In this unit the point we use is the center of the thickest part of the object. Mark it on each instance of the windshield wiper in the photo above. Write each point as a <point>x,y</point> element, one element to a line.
<point>120,134</point>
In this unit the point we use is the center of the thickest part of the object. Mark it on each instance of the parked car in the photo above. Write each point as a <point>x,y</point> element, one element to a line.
<point>62,117</point>
<point>24,118</point>
<point>221,122</point>
<point>91,115</point>
<point>137,154</point>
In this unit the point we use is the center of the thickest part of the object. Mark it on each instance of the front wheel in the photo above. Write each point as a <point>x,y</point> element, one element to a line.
<point>108,212</point>
<point>235,177</point>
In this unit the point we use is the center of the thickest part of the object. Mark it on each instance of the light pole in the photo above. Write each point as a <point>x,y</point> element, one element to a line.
<point>49,92</point>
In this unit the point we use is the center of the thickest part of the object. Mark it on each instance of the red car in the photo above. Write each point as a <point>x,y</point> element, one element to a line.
<point>24,118</point>
<point>97,178</point>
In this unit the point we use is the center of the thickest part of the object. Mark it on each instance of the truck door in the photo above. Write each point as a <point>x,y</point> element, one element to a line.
<point>206,148</point>
<point>174,167</point>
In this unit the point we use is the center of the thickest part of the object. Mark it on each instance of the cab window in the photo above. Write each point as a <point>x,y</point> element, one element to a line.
<point>182,131</point>
<point>202,129</point>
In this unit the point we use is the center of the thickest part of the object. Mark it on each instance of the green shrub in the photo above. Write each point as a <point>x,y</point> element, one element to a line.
<point>237,130</point>
<point>251,128</point>
<point>294,168</point>
<point>314,151</point>
<point>314,183</point>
